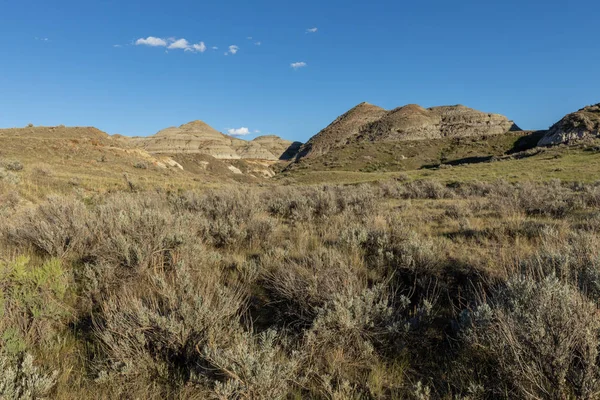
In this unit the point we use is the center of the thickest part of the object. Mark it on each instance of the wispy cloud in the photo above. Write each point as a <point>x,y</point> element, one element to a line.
<point>172,44</point>
<point>42,39</point>
<point>117,45</point>
<point>256,131</point>
<point>151,41</point>
<point>249,38</point>
<point>300,64</point>
<point>257,43</point>
<point>233,49</point>
<point>239,132</point>
<point>312,30</point>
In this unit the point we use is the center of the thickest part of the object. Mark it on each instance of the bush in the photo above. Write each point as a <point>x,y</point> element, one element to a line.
<point>254,367</point>
<point>134,232</point>
<point>9,177</point>
<point>140,165</point>
<point>22,380</point>
<point>32,303</point>
<point>158,333</point>
<point>542,337</point>
<point>58,227</point>
<point>307,283</point>
<point>14,166</point>
<point>425,190</point>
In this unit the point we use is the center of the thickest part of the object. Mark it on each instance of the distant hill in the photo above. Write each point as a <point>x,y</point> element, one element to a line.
<point>197,137</point>
<point>61,132</point>
<point>582,124</point>
<point>369,123</point>
<point>59,158</point>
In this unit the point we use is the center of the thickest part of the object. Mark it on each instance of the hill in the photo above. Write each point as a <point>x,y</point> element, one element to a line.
<point>413,122</point>
<point>36,161</point>
<point>369,123</point>
<point>339,131</point>
<point>197,137</point>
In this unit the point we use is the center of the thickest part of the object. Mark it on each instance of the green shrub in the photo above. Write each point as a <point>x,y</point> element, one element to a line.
<point>32,302</point>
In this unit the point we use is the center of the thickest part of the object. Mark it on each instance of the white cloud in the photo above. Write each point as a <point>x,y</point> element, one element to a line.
<point>179,44</point>
<point>215,48</point>
<point>172,44</point>
<point>151,41</point>
<point>117,45</point>
<point>257,43</point>
<point>233,49</point>
<point>239,132</point>
<point>201,47</point>
<point>312,30</point>
<point>300,64</point>
<point>249,37</point>
<point>256,131</point>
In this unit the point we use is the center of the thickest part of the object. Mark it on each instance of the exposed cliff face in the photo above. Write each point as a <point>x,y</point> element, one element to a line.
<point>582,124</point>
<point>411,122</point>
<point>199,138</point>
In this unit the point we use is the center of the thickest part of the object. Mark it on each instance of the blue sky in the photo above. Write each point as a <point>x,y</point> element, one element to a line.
<point>531,60</point>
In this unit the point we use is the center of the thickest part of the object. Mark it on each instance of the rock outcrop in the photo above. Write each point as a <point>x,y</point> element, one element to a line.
<point>583,124</point>
<point>366,122</point>
<point>198,137</point>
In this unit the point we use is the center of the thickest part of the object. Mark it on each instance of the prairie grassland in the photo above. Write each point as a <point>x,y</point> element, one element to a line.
<point>390,290</point>
<point>445,162</point>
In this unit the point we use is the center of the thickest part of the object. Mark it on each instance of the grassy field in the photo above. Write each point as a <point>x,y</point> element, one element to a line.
<point>567,163</point>
<point>415,154</point>
<point>387,290</point>
<point>470,279</point>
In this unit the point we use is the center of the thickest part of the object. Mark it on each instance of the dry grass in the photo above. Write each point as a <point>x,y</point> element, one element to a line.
<point>394,290</point>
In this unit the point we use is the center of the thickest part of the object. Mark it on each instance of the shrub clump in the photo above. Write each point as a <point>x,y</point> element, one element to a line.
<point>541,337</point>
